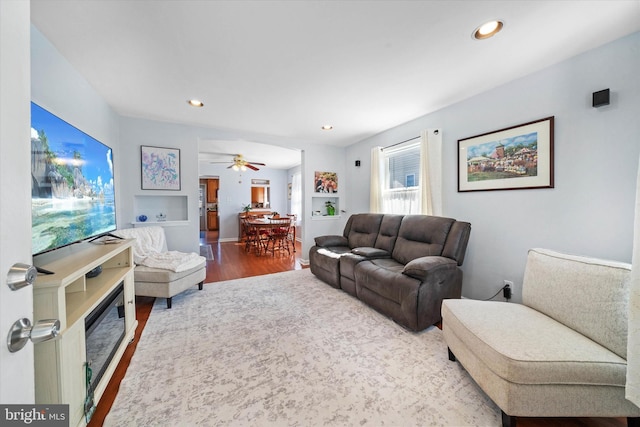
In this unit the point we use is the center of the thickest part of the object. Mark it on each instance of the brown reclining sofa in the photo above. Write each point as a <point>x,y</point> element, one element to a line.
<point>401,265</point>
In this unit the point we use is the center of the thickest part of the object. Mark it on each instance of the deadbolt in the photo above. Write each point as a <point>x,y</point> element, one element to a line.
<point>21,275</point>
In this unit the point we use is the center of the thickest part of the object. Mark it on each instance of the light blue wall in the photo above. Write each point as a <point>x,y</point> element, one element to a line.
<point>590,210</point>
<point>137,132</point>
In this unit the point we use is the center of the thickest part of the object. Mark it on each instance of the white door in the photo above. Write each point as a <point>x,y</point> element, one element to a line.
<point>16,369</point>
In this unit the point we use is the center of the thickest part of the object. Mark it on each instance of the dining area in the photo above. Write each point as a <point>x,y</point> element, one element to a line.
<point>266,233</point>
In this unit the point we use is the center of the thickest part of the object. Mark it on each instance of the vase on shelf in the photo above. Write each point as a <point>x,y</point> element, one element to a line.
<point>331,210</point>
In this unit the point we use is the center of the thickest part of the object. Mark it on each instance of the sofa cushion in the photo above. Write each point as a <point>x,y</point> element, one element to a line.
<point>525,346</point>
<point>421,235</point>
<point>388,232</point>
<point>383,276</point>
<point>586,294</point>
<point>325,263</point>
<point>348,263</point>
<point>364,230</point>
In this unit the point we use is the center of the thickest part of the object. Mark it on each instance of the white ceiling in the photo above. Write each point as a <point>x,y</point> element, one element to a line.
<point>273,156</point>
<point>282,69</point>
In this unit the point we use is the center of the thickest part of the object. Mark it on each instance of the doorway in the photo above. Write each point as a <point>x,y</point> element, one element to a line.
<point>202,206</point>
<point>209,216</point>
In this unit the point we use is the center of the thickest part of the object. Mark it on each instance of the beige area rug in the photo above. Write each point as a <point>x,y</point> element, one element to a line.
<point>289,350</point>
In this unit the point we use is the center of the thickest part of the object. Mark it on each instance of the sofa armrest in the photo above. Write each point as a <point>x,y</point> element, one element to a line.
<point>421,268</point>
<point>326,241</point>
<point>371,253</point>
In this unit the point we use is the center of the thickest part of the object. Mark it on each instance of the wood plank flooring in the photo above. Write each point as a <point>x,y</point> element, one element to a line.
<point>232,262</point>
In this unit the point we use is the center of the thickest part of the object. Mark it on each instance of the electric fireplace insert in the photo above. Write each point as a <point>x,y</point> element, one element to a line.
<point>104,331</point>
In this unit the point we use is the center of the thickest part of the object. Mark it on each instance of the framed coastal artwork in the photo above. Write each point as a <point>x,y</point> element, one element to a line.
<point>518,157</point>
<point>325,182</point>
<point>160,168</point>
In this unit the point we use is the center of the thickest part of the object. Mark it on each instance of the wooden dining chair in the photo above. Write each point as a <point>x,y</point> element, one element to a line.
<point>252,236</point>
<point>278,235</point>
<point>292,230</point>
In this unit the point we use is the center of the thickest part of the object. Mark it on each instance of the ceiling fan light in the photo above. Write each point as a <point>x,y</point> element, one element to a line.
<point>235,168</point>
<point>243,168</point>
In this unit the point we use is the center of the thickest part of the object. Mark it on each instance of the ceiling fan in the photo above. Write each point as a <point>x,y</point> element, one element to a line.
<point>240,164</point>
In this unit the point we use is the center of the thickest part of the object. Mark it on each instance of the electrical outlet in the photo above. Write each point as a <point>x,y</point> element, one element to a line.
<point>507,289</point>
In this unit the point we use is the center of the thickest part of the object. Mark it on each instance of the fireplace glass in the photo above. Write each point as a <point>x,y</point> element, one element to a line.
<point>105,330</point>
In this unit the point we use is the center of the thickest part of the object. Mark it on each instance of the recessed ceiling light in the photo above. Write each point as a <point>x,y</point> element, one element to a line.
<point>195,103</point>
<point>327,127</point>
<point>488,29</point>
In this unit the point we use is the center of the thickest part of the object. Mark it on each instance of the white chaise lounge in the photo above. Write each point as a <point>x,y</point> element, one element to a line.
<point>159,272</point>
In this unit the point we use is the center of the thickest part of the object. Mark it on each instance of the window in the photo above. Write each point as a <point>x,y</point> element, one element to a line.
<point>296,195</point>
<point>400,189</point>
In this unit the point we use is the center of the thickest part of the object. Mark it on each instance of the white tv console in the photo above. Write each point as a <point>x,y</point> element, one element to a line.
<point>68,295</point>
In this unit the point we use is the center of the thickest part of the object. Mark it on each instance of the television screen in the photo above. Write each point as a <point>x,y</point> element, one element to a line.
<point>72,193</point>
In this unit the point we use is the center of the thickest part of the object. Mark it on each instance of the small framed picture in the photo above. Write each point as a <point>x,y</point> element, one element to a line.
<point>326,182</point>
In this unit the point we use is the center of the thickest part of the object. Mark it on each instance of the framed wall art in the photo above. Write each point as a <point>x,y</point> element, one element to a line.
<point>326,182</point>
<point>518,157</point>
<point>160,168</point>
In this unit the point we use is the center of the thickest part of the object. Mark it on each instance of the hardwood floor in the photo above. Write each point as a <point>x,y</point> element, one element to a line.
<point>232,262</point>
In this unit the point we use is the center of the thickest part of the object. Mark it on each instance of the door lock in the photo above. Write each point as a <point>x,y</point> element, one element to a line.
<point>21,275</point>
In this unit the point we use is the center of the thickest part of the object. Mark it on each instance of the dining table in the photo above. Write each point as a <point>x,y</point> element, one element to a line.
<point>262,225</point>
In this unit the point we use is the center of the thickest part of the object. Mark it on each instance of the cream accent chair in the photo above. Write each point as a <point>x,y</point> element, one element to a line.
<point>160,282</point>
<point>562,352</point>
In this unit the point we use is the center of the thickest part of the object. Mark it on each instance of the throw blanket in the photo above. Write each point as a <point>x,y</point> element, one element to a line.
<point>150,250</point>
<point>172,260</point>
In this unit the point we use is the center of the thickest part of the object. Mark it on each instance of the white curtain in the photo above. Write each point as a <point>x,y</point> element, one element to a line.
<point>397,196</point>
<point>431,172</point>
<point>296,196</point>
<point>401,201</point>
<point>377,178</point>
<point>633,341</point>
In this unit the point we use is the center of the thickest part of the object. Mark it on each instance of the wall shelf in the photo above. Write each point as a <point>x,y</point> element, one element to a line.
<point>159,223</point>
<point>319,207</point>
<point>175,207</point>
<point>324,217</point>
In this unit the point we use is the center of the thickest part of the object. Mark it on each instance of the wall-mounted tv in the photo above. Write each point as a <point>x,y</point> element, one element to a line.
<point>72,189</point>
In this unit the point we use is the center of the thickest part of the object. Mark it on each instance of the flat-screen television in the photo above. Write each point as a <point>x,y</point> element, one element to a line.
<point>72,189</point>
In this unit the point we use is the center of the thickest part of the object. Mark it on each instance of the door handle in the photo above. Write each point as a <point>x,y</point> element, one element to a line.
<point>22,331</point>
<point>21,275</point>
